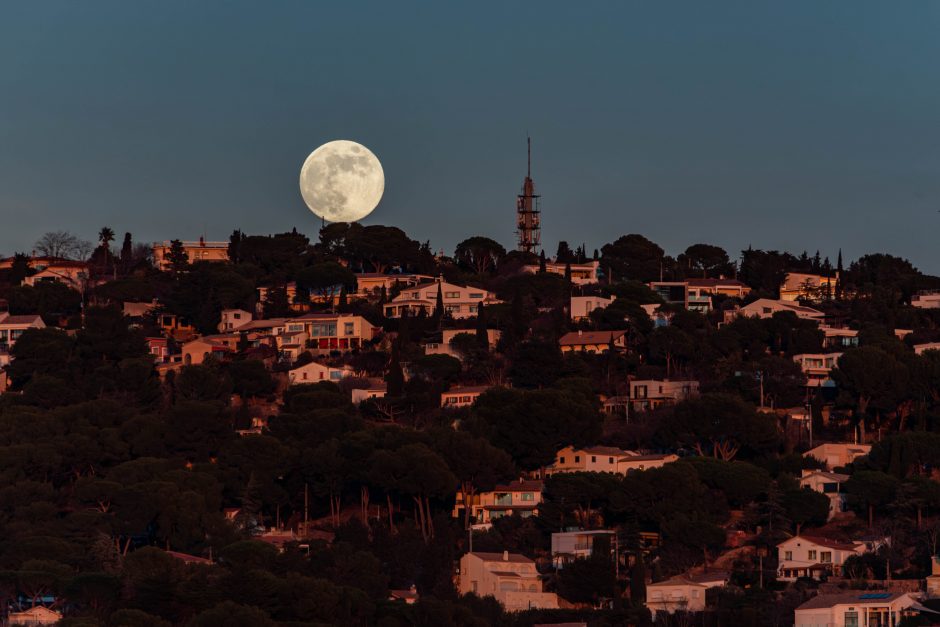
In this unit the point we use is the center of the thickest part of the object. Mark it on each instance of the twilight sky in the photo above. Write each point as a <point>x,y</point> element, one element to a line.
<point>789,125</point>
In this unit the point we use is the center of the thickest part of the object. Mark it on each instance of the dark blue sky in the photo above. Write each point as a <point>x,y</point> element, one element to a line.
<point>784,125</point>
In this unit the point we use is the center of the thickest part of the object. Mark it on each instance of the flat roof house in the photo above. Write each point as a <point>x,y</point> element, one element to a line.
<point>510,578</point>
<point>200,250</point>
<point>464,396</point>
<point>520,497</point>
<point>648,394</point>
<point>871,608</point>
<point>817,367</point>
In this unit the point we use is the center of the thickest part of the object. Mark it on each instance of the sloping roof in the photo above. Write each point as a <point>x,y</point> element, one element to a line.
<point>468,389</point>
<point>605,450</point>
<point>834,476</point>
<point>527,485</point>
<point>590,337</point>
<point>645,458</point>
<point>826,542</point>
<point>825,601</point>
<point>23,319</point>
<point>498,557</point>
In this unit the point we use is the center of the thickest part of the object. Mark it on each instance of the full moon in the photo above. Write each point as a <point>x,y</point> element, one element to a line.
<point>342,181</point>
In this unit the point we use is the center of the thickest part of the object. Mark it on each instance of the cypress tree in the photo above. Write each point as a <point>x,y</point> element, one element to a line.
<point>483,339</point>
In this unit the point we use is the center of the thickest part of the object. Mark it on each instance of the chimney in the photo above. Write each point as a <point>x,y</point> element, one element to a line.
<point>505,556</point>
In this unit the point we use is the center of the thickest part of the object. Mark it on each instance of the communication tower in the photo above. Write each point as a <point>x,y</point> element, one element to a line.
<point>528,214</point>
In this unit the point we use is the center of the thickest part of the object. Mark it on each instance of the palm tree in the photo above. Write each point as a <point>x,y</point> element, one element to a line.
<point>106,236</point>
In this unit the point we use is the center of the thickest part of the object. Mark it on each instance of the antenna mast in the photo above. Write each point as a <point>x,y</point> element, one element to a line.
<point>528,213</point>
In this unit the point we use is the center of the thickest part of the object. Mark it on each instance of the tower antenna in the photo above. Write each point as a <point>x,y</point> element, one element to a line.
<point>528,213</point>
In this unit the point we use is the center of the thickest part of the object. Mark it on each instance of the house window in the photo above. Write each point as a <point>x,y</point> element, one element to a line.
<point>451,294</point>
<point>811,555</point>
<point>561,460</point>
<point>305,376</point>
<point>476,295</point>
<point>593,459</point>
<point>825,557</point>
<point>851,619</point>
<point>451,308</point>
<point>788,555</point>
<point>528,496</point>
<point>577,459</point>
<point>695,594</point>
<point>640,391</point>
<point>610,460</point>
<point>348,328</point>
<point>336,375</point>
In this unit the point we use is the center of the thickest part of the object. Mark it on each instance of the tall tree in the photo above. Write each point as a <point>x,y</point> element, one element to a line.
<point>481,254</point>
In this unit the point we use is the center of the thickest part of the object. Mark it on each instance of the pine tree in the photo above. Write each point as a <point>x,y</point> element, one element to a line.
<point>568,272</point>
<point>395,377</point>
<point>542,268</point>
<point>179,260</point>
<point>839,276</point>
<point>127,253</point>
<point>439,306</point>
<point>343,299</point>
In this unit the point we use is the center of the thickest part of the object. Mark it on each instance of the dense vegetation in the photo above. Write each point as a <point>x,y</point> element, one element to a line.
<point>105,467</point>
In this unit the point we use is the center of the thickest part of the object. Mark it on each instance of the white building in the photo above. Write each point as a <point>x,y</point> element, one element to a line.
<point>920,349</point>
<point>817,367</point>
<point>582,306</point>
<point>685,592</point>
<point>581,273</point>
<point>315,373</point>
<point>927,299</point>
<point>33,617</point>
<point>828,483</point>
<point>856,609</point>
<point>462,396</point>
<point>838,454</point>
<point>459,301</point>
<point>644,395</point>
<point>766,308</point>
<point>233,319</point>
<point>375,389</point>
<point>508,577</point>
<point>604,459</point>
<point>444,347</point>
<point>568,546</point>
<point>12,327</point>
<point>810,556</point>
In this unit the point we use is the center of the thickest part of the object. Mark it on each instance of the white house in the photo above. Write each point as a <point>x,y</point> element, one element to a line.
<point>376,389</point>
<point>315,373</point>
<point>581,273</point>
<point>685,592</point>
<point>587,459</point>
<point>33,617</point>
<point>859,608</point>
<point>766,308</point>
<point>568,546</point>
<point>582,306</point>
<point>12,327</point>
<point>828,483</point>
<point>444,347</point>
<point>811,556</point>
<point>920,349</point>
<point>644,462</point>
<point>462,396</point>
<point>233,319</point>
<point>648,394</point>
<point>927,299</point>
<point>459,301</point>
<point>838,454</point>
<point>817,367</point>
<point>508,577</point>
